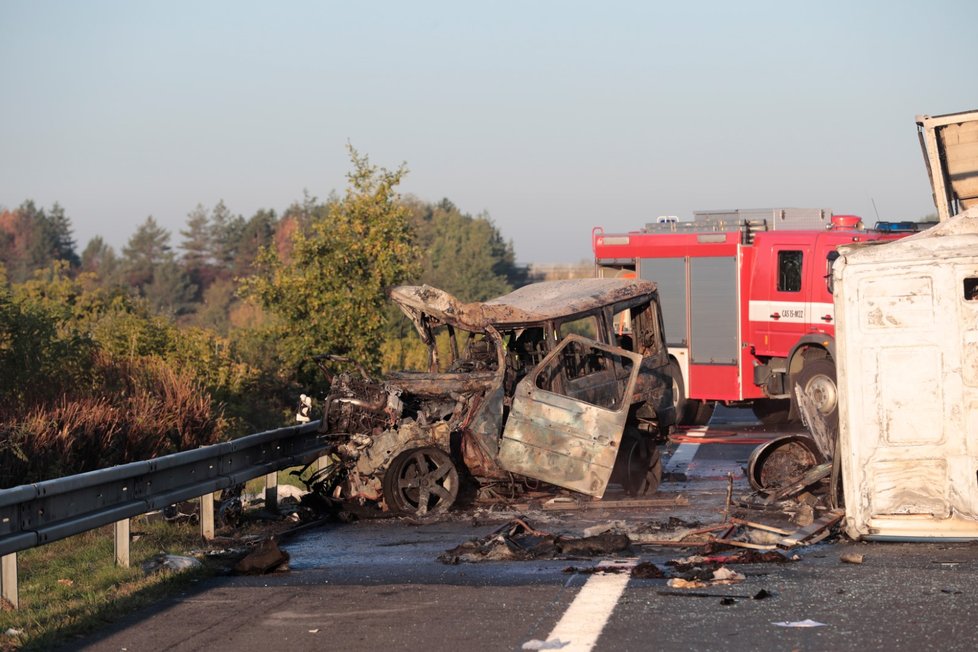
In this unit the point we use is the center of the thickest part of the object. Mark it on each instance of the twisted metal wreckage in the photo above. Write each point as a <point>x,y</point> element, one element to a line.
<point>521,396</point>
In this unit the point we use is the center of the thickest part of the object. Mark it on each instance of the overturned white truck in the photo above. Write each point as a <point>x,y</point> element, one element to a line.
<point>907,344</point>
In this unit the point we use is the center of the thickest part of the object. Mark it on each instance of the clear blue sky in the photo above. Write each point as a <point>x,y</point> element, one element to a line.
<point>552,117</point>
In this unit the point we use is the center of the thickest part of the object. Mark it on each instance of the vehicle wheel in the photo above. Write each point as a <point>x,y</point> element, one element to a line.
<point>638,467</point>
<point>653,476</point>
<point>678,391</point>
<point>699,413</point>
<point>689,412</point>
<point>421,482</point>
<point>777,463</point>
<point>772,411</point>
<point>817,380</point>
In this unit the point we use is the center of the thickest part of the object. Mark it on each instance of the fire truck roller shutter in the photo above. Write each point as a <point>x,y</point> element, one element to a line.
<point>669,274</point>
<point>713,310</point>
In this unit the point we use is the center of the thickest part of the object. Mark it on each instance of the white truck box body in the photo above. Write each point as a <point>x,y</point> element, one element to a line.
<point>907,344</point>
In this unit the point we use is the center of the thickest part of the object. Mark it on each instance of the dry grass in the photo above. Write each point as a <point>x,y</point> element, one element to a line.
<point>152,410</point>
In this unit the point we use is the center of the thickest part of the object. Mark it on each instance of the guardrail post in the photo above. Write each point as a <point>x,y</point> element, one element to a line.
<point>8,579</point>
<point>122,543</point>
<point>207,516</point>
<point>271,492</point>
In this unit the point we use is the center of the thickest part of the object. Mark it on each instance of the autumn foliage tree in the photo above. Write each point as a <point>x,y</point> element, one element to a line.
<point>329,296</point>
<point>31,238</point>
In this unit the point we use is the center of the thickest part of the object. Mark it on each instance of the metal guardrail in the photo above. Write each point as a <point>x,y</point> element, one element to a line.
<point>35,514</point>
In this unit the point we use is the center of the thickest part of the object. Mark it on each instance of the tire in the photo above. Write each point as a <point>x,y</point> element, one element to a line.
<point>699,413</point>
<point>775,464</point>
<point>421,482</point>
<point>772,411</point>
<point>638,467</point>
<point>689,412</point>
<point>678,391</point>
<point>817,380</point>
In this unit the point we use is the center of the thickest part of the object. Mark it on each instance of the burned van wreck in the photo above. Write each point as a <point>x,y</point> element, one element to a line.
<point>562,382</point>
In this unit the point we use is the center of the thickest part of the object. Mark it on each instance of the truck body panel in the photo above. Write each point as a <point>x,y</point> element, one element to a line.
<point>950,147</point>
<point>907,342</point>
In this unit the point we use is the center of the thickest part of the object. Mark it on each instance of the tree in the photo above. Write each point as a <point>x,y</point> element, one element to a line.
<point>30,239</point>
<point>60,242</point>
<point>149,266</point>
<point>99,258</point>
<point>170,291</point>
<point>257,233</point>
<point>147,248</point>
<point>197,244</point>
<point>466,256</point>
<point>330,295</point>
<point>226,231</point>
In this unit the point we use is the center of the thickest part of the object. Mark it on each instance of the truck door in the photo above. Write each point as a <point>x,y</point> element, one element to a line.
<point>780,304</point>
<point>568,415</point>
<point>821,311</point>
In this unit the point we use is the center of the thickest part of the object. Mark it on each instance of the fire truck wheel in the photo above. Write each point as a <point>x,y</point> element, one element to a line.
<point>817,380</point>
<point>678,392</point>
<point>699,413</point>
<point>689,411</point>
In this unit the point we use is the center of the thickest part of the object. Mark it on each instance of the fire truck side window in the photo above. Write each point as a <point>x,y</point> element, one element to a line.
<point>789,271</point>
<point>829,259</point>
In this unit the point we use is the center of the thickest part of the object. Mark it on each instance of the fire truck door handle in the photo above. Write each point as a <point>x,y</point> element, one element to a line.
<point>826,317</point>
<point>775,315</point>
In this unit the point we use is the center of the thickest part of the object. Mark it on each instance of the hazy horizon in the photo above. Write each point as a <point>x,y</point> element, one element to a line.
<point>551,117</point>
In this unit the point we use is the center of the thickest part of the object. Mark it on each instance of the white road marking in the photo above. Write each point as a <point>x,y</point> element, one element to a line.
<point>585,618</point>
<point>680,459</point>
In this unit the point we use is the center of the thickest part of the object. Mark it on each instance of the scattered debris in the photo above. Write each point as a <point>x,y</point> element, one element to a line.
<point>172,563</point>
<point>66,582</point>
<point>517,540</point>
<point>647,571</point>
<point>808,622</point>
<point>590,546</point>
<point>815,532</point>
<point>13,632</point>
<point>565,503</point>
<point>698,578</point>
<point>852,558</point>
<point>610,526</point>
<point>267,558</point>
<point>804,516</point>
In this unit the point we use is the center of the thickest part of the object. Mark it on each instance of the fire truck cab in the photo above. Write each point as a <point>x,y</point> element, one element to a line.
<point>746,303</point>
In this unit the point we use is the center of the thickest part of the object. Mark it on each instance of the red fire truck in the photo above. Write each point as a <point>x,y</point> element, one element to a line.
<point>748,312</point>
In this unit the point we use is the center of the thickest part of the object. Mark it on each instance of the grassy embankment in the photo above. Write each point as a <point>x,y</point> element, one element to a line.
<point>71,587</point>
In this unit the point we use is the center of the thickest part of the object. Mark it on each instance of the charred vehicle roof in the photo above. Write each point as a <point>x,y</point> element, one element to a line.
<point>531,304</point>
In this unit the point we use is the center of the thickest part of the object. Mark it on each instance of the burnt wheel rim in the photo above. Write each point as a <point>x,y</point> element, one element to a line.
<point>425,482</point>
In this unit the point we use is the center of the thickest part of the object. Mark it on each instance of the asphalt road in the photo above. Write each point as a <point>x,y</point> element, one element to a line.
<point>377,585</point>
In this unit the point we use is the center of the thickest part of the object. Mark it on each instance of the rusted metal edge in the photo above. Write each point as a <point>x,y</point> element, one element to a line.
<point>760,526</point>
<point>744,544</point>
<point>809,531</point>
